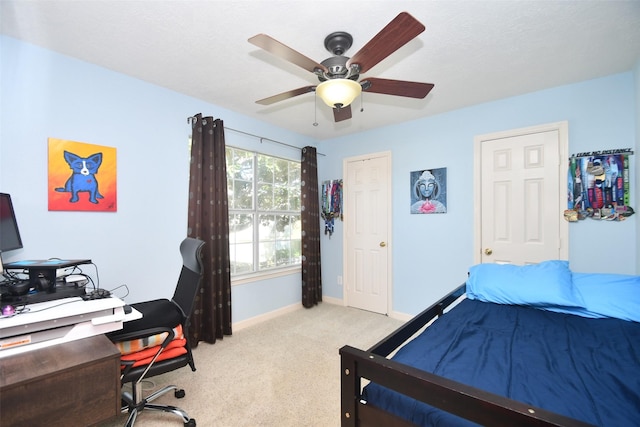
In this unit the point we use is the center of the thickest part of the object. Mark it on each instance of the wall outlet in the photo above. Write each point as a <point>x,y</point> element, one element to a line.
<point>340,280</point>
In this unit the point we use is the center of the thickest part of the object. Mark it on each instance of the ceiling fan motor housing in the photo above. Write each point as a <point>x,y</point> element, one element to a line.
<point>338,43</point>
<point>337,66</point>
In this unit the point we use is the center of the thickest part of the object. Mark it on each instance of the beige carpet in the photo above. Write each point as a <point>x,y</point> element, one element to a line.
<point>282,372</point>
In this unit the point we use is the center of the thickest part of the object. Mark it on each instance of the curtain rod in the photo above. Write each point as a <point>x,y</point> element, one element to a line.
<point>261,138</point>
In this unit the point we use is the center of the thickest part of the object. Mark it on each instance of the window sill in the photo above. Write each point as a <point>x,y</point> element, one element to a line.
<point>264,275</point>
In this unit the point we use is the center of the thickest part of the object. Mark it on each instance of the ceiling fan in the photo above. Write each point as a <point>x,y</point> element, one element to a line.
<point>338,75</point>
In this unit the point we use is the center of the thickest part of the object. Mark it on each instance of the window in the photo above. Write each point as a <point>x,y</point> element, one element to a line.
<point>264,212</point>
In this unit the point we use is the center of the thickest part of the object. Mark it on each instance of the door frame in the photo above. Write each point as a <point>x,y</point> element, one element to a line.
<point>386,155</point>
<point>563,148</point>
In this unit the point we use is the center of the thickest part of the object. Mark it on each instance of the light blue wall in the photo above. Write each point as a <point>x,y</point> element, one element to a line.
<point>44,95</point>
<point>637,145</point>
<point>432,254</point>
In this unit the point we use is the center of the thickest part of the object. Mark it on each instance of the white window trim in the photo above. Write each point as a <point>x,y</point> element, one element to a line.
<point>273,272</point>
<point>264,275</point>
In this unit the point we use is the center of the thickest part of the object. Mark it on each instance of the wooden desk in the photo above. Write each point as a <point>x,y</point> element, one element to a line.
<point>72,384</point>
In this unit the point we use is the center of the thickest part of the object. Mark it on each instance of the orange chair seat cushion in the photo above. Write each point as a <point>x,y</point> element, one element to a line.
<point>143,357</point>
<point>134,346</point>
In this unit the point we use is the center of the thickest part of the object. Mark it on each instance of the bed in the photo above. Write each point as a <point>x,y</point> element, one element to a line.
<point>536,345</point>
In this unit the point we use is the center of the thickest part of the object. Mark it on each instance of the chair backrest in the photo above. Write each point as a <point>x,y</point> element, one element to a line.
<point>190,275</point>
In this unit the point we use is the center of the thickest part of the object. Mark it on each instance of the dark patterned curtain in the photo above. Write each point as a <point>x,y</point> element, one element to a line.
<point>311,273</point>
<point>209,221</point>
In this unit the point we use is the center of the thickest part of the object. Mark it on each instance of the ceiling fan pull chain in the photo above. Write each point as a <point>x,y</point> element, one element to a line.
<point>315,109</point>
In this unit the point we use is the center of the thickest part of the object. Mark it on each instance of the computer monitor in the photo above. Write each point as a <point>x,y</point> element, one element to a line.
<point>9,233</point>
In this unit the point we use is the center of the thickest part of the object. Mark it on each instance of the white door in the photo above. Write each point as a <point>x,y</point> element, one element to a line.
<point>367,257</point>
<point>521,183</point>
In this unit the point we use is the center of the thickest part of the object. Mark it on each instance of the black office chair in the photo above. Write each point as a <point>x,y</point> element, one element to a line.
<point>162,316</point>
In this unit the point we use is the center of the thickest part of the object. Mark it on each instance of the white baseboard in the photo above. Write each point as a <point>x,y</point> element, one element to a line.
<point>279,312</point>
<point>332,300</point>
<point>266,316</point>
<point>400,316</point>
<point>236,326</point>
<point>394,314</point>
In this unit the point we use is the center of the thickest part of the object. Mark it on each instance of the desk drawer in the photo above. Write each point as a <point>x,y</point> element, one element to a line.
<point>71,384</point>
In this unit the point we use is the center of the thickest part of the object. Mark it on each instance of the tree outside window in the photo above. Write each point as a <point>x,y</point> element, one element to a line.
<point>264,212</point>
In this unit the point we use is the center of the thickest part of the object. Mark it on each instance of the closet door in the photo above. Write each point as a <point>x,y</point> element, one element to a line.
<point>522,195</point>
<point>367,252</point>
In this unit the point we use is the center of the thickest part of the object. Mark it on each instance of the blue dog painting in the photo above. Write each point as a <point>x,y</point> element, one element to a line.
<point>83,176</point>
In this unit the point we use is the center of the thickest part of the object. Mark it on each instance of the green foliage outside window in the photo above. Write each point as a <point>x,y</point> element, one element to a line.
<point>264,212</point>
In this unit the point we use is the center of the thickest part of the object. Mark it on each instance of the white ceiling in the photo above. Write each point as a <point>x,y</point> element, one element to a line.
<point>473,51</point>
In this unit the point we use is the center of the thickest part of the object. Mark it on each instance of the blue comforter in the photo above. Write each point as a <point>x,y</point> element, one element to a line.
<point>587,369</point>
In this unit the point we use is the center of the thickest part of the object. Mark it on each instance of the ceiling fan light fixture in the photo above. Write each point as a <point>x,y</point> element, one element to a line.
<point>338,93</point>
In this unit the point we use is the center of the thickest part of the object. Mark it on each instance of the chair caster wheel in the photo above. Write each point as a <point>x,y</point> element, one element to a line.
<point>190,423</point>
<point>179,394</point>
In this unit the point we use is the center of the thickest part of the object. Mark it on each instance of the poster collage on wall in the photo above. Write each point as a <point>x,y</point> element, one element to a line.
<point>599,186</point>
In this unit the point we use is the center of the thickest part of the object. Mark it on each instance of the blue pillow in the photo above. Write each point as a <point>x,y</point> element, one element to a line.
<point>548,283</point>
<point>607,295</point>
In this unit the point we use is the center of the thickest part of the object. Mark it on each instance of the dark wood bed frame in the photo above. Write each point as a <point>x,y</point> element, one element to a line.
<point>468,402</point>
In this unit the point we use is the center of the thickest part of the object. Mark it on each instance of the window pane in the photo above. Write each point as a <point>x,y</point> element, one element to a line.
<point>281,198</point>
<point>265,197</point>
<point>265,169</point>
<point>296,227</point>
<point>267,255</point>
<point>283,253</point>
<point>283,229</point>
<point>241,258</point>
<point>294,198</point>
<point>267,229</point>
<point>230,193</point>
<point>241,228</point>
<point>294,174</point>
<point>242,195</point>
<point>296,251</point>
<point>281,172</point>
<point>239,164</point>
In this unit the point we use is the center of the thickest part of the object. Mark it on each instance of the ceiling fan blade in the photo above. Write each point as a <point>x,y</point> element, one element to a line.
<point>285,95</point>
<point>396,87</point>
<point>273,46</point>
<point>341,114</point>
<point>401,30</point>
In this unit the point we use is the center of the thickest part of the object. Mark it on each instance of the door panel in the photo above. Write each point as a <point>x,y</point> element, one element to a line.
<point>520,196</point>
<point>367,215</point>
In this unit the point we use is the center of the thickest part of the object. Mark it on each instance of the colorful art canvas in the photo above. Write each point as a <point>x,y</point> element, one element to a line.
<point>82,177</point>
<point>599,186</point>
<point>429,191</point>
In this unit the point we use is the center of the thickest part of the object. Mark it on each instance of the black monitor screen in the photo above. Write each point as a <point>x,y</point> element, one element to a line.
<point>9,233</point>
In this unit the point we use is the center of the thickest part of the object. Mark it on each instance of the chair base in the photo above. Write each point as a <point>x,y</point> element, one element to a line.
<point>134,404</point>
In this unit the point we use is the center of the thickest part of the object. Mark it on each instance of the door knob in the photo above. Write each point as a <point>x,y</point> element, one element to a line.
<point>488,251</point>
<point>383,244</point>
